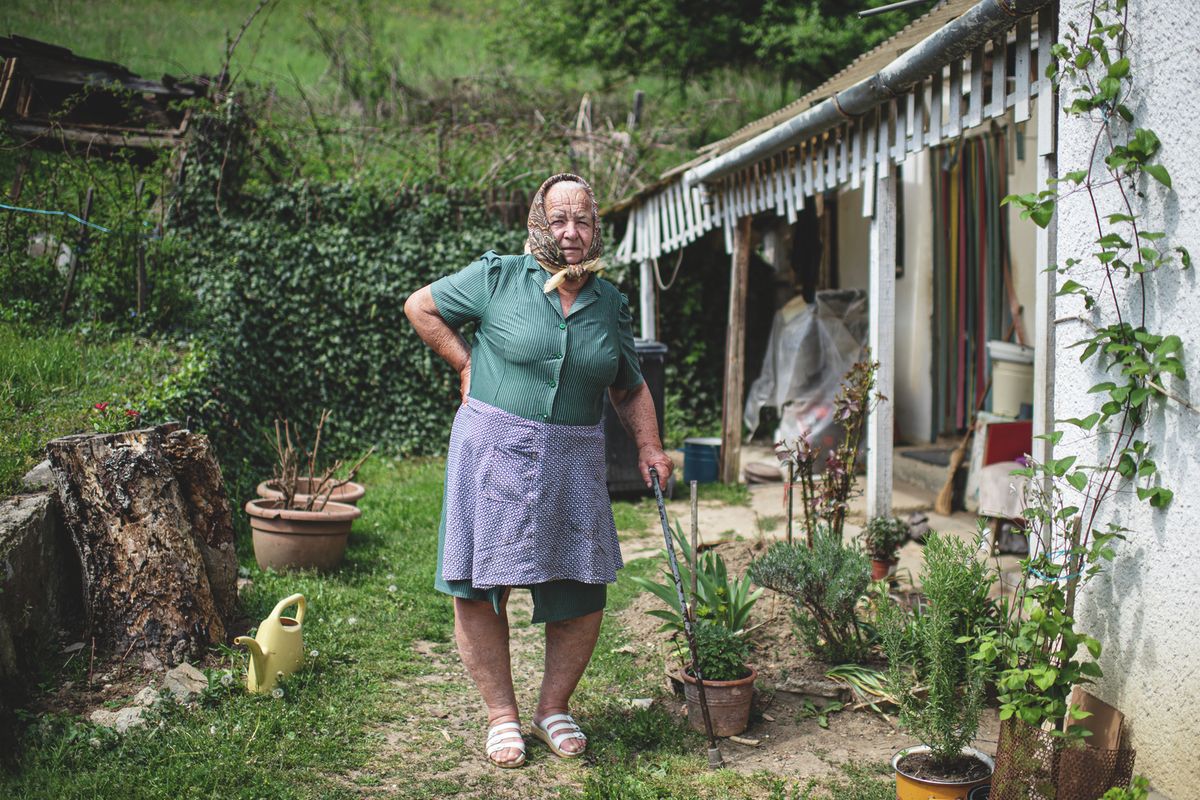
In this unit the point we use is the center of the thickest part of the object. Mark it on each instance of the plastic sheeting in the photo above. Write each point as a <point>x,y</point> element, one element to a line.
<point>808,354</point>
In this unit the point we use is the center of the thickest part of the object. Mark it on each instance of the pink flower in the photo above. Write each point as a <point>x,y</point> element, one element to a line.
<point>100,406</point>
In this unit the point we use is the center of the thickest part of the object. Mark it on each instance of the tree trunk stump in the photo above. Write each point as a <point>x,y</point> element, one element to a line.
<point>150,519</point>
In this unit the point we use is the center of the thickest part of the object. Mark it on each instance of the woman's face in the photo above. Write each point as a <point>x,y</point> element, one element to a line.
<point>569,212</point>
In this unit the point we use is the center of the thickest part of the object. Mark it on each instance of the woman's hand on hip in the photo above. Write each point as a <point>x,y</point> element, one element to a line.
<point>464,376</point>
<point>652,456</point>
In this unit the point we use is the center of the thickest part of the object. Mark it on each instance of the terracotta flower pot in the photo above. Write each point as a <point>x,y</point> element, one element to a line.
<point>910,787</point>
<point>348,493</point>
<point>728,703</point>
<point>287,538</point>
<point>881,569</point>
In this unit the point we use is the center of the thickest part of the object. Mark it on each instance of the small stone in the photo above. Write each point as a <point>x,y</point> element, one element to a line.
<point>130,717</point>
<point>146,697</point>
<point>39,478</point>
<point>104,718</point>
<point>641,702</point>
<point>73,648</point>
<point>151,662</point>
<point>768,717</point>
<point>626,649</point>
<point>185,683</point>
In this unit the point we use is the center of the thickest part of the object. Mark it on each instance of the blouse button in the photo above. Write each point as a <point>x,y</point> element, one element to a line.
<point>562,326</point>
<point>545,416</point>
<point>551,384</point>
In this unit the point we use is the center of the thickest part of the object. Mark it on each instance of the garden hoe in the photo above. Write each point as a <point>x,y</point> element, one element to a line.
<point>714,753</point>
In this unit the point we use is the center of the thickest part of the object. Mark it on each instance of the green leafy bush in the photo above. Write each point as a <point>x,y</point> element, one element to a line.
<point>937,683</point>
<point>722,653</point>
<point>826,583</point>
<point>883,536</point>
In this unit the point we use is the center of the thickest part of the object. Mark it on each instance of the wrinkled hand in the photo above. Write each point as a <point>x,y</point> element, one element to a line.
<point>465,378</point>
<point>650,456</point>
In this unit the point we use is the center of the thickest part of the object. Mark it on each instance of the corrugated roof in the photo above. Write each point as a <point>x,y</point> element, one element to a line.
<point>862,67</point>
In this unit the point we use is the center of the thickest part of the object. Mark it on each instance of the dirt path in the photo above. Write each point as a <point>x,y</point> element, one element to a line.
<point>433,747</point>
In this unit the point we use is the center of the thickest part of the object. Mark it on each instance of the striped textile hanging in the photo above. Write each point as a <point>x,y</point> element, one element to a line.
<point>970,255</point>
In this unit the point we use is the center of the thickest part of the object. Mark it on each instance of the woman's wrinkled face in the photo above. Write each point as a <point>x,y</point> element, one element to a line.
<point>569,212</point>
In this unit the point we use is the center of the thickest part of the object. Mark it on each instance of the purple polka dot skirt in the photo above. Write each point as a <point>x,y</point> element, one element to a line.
<point>526,502</point>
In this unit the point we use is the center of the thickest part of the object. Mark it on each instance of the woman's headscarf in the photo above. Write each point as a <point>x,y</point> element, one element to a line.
<point>542,245</point>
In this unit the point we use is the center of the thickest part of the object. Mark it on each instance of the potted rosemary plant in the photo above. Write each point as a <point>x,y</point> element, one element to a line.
<point>938,685</point>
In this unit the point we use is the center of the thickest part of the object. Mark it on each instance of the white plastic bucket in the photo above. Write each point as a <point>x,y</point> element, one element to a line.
<point>1012,377</point>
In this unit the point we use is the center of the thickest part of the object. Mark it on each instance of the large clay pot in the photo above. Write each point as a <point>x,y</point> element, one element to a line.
<point>349,493</point>
<point>728,703</point>
<point>909,787</point>
<point>288,538</point>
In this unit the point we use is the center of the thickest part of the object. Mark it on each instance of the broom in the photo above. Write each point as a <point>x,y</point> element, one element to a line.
<point>944,504</point>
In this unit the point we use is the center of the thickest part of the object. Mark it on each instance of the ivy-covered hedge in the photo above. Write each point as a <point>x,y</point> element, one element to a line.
<point>301,292</point>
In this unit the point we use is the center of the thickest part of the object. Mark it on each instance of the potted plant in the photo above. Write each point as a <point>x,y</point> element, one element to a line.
<point>882,539</point>
<point>938,684</point>
<point>297,529</point>
<point>728,679</point>
<point>721,606</point>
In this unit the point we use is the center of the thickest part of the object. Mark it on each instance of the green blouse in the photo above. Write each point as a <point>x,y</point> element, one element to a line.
<point>526,357</point>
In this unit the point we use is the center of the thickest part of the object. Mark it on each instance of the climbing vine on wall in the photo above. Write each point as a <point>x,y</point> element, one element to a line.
<point>1037,651</point>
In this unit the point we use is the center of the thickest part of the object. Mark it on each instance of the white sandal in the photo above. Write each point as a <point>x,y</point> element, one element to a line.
<point>506,736</point>
<point>556,729</point>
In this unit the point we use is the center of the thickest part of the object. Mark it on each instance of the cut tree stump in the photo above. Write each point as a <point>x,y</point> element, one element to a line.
<point>150,519</point>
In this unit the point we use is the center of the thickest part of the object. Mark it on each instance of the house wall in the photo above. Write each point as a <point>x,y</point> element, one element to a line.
<point>1145,607</point>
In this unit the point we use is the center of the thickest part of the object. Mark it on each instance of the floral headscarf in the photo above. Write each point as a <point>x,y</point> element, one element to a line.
<point>542,245</point>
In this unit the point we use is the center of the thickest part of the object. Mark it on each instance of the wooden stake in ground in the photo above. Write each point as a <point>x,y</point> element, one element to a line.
<point>149,517</point>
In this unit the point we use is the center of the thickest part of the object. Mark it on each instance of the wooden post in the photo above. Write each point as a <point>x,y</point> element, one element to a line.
<point>1046,255</point>
<point>882,311</point>
<point>141,255</point>
<point>735,347</point>
<point>649,327</point>
<point>80,246</point>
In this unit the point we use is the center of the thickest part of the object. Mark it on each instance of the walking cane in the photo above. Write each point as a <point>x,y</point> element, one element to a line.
<point>714,753</point>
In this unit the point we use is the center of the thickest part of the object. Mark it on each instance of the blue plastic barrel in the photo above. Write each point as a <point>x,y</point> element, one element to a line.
<point>701,459</point>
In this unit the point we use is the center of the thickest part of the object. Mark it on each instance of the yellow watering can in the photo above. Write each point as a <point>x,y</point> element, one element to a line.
<point>278,648</point>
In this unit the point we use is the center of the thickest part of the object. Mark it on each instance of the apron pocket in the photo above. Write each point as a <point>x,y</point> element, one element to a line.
<point>510,473</point>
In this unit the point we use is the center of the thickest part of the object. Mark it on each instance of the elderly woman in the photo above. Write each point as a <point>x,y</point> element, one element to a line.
<point>526,503</point>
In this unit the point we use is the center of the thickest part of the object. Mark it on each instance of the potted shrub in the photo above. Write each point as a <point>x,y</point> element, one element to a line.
<point>882,539</point>
<point>938,685</point>
<point>301,529</point>
<point>728,680</point>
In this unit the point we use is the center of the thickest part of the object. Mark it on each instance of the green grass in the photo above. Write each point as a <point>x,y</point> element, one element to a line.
<point>50,381</point>
<point>735,494</point>
<point>320,738</point>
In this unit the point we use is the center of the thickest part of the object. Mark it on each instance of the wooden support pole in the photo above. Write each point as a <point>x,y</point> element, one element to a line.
<point>882,311</point>
<point>648,323</point>
<point>140,244</point>
<point>735,347</point>
<point>80,247</point>
<point>1046,255</point>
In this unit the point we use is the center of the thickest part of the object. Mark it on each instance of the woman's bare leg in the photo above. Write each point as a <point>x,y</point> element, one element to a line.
<point>569,646</point>
<point>482,637</point>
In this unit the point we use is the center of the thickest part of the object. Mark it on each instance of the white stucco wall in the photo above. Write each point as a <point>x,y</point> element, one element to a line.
<point>1145,608</point>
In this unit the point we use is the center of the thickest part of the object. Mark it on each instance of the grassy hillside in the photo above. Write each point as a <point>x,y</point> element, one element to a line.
<point>409,91</point>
